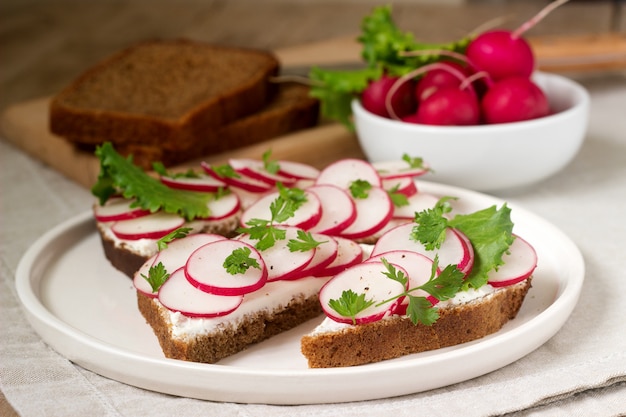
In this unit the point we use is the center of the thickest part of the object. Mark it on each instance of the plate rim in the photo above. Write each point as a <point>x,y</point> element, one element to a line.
<point>45,322</point>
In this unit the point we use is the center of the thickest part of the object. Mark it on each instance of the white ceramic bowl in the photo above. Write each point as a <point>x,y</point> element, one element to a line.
<point>486,157</point>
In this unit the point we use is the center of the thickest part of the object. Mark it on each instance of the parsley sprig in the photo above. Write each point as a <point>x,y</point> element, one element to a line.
<point>239,261</point>
<point>442,286</point>
<point>350,304</point>
<point>360,188</point>
<point>157,275</point>
<point>264,231</point>
<point>269,164</point>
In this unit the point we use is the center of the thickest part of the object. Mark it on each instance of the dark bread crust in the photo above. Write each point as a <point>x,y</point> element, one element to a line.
<point>292,109</point>
<point>226,341</point>
<point>398,336</point>
<point>122,259</point>
<point>170,94</point>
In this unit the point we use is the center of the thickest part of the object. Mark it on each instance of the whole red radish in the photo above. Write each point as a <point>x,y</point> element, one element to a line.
<point>374,96</point>
<point>503,53</point>
<point>513,100</point>
<point>438,78</point>
<point>448,107</point>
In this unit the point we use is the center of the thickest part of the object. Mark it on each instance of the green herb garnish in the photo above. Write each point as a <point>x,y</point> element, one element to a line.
<point>350,304</point>
<point>489,230</point>
<point>270,165</point>
<point>360,188</point>
<point>168,238</point>
<point>119,174</point>
<point>304,242</point>
<point>398,199</point>
<point>281,209</point>
<point>239,261</point>
<point>157,275</point>
<point>385,50</point>
<point>443,287</point>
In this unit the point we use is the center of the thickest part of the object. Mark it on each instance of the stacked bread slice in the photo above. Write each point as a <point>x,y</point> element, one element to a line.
<point>172,101</point>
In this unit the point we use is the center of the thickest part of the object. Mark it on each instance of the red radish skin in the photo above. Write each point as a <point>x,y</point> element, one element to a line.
<point>439,78</point>
<point>401,100</point>
<point>242,181</point>
<point>325,254</point>
<point>418,267</point>
<point>224,207</point>
<point>172,258</point>
<point>369,279</point>
<point>349,253</point>
<point>178,295</point>
<point>297,170</point>
<point>514,100</point>
<point>404,186</point>
<point>306,217</point>
<point>502,53</point>
<point>205,269</point>
<point>372,214</point>
<point>399,169</point>
<point>118,208</point>
<point>344,172</point>
<point>449,107</point>
<point>519,264</point>
<point>453,251</point>
<point>152,226</point>
<point>254,168</point>
<point>281,262</point>
<point>338,209</point>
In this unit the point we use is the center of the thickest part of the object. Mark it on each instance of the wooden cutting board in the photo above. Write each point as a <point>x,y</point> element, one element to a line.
<point>26,124</point>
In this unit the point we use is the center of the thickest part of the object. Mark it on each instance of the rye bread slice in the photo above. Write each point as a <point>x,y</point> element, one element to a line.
<point>163,93</point>
<point>291,109</point>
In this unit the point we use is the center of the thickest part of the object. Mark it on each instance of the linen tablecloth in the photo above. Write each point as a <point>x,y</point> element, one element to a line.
<point>581,371</point>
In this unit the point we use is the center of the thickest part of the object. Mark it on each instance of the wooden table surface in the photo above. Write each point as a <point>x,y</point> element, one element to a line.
<point>46,43</point>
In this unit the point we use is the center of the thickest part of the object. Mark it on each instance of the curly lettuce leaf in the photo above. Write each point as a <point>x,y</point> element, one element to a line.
<point>119,174</point>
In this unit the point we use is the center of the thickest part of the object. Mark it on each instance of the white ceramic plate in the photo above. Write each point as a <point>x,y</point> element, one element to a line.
<point>86,310</point>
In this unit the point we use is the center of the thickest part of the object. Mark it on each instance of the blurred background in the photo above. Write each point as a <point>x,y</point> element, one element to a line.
<point>44,44</point>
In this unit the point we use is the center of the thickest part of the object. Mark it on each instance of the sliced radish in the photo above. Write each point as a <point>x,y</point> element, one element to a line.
<point>305,217</point>
<point>349,253</point>
<point>453,251</point>
<point>247,198</point>
<point>344,172</point>
<point>281,262</point>
<point>140,283</point>
<point>254,168</point>
<point>367,278</point>
<point>178,295</point>
<point>205,269</point>
<point>224,206</point>
<point>519,264</point>
<point>118,208</point>
<point>372,213</point>
<point>201,183</point>
<point>417,266</point>
<point>325,254</point>
<point>403,185</point>
<point>173,257</point>
<point>338,209</point>
<point>152,226</point>
<point>242,181</point>
<point>417,203</point>
<point>297,170</point>
<point>398,169</point>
